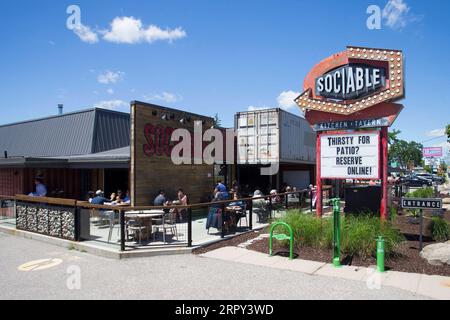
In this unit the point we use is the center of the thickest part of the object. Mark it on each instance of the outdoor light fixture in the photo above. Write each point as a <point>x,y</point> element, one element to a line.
<point>182,120</point>
<point>165,117</point>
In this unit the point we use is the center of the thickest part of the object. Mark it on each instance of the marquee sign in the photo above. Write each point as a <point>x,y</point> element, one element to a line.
<point>350,156</point>
<point>350,82</point>
<point>354,80</point>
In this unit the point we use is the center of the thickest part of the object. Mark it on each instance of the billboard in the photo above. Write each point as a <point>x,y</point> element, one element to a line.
<point>350,156</point>
<point>432,152</point>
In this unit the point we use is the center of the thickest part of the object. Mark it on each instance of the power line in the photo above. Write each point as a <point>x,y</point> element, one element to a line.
<point>434,138</point>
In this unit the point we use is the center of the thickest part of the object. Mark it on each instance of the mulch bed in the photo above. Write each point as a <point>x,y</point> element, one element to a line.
<point>407,258</point>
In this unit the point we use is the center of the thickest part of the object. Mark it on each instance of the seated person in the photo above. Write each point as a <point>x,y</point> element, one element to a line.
<point>99,198</point>
<point>160,200</point>
<point>41,189</point>
<point>275,198</point>
<point>183,201</point>
<point>260,207</point>
<point>223,189</point>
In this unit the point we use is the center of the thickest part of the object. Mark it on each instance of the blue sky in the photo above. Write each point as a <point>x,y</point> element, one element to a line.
<point>212,56</point>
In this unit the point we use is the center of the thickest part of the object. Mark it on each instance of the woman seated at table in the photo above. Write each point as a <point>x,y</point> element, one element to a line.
<point>181,214</point>
<point>260,206</point>
<point>238,206</point>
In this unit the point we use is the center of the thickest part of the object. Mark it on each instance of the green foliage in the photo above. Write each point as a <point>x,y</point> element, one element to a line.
<point>307,229</point>
<point>421,193</point>
<point>404,152</point>
<point>217,122</point>
<point>358,233</point>
<point>393,213</point>
<point>440,229</point>
<point>447,132</point>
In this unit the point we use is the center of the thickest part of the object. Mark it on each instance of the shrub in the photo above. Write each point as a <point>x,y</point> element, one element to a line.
<point>307,229</point>
<point>358,233</point>
<point>440,229</point>
<point>421,193</point>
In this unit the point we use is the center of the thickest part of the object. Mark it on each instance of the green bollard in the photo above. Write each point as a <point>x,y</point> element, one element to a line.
<point>337,232</point>
<point>380,254</point>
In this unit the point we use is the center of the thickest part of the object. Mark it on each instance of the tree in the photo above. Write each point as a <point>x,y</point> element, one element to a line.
<point>217,122</point>
<point>405,152</point>
<point>447,131</point>
<point>393,136</point>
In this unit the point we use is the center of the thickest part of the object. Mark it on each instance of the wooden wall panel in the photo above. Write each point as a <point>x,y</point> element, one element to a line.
<point>151,165</point>
<point>11,181</point>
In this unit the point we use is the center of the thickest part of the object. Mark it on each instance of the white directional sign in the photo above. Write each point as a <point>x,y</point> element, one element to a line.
<point>350,156</point>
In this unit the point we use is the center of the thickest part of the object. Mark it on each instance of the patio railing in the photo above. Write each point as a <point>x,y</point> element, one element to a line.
<point>74,220</point>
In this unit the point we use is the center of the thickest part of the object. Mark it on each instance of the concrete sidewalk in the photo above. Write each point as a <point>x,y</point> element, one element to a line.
<point>436,287</point>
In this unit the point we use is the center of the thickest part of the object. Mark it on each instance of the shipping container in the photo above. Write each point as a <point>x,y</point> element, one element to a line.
<point>274,135</point>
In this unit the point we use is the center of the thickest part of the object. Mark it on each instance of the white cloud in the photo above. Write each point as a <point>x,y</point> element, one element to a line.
<point>85,33</point>
<point>130,30</point>
<point>113,105</point>
<point>286,99</point>
<point>395,14</point>
<point>436,133</point>
<point>110,91</point>
<point>167,97</point>
<point>110,77</point>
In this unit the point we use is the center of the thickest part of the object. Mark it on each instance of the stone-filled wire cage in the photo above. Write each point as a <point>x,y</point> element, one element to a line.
<point>58,222</point>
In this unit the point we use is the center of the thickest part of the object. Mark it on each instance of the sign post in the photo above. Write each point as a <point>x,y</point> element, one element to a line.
<point>345,95</point>
<point>421,204</point>
<point>337,232</point>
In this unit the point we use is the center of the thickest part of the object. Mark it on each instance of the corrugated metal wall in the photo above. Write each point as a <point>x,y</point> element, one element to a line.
<point>112,131</point>
<point>298,140</point>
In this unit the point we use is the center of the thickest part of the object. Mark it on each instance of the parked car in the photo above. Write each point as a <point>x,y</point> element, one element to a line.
<point>416,181</point>
<point>432,177</point>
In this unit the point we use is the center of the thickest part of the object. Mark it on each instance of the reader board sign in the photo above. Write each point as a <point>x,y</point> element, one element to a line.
<point>350,156</point>
<point>430,152</point>
<point>423,203</point>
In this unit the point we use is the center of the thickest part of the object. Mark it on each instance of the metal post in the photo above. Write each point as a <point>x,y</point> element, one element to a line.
<point>122,230</point>
<point>250,218</point>
<point>337,232</point>
<point>380,254</point>
<point>222,231</point>
<point>270,206</point>
<point>286,201</point>
<point>77,223</point>
<point>190,227</point>
<point>384,174</point>
<point>311,199</point>
<point>421,231</point>
<point>318,179</point>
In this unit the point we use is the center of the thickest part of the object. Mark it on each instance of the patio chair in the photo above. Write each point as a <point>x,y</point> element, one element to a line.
<point>137,228</point>
<point>168,223</point>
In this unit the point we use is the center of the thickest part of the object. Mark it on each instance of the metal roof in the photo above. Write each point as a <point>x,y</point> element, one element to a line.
<point>71,134</point>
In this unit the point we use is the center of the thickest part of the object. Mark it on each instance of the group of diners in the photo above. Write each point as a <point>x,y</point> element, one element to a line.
<point>179,214</point>
<point>115,199</point>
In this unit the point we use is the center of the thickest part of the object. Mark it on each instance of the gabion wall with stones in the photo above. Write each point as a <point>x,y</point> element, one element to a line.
<point>52,221</point>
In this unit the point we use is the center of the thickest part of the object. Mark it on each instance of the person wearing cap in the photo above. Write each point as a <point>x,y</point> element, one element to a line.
<point>99,198</point>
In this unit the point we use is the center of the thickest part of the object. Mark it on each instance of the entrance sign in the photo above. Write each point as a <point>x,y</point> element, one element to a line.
<point>351,81</point>
<point>350,156</point>
<point>424,203</point>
